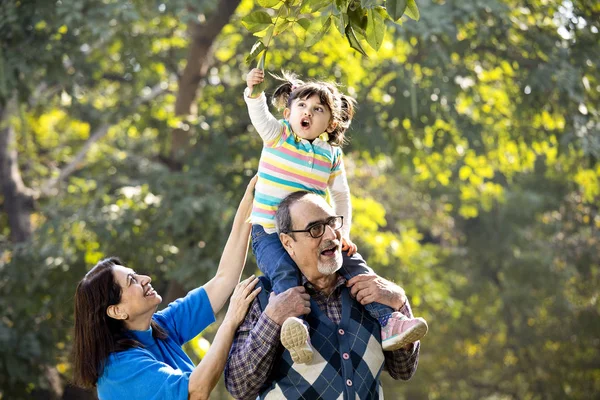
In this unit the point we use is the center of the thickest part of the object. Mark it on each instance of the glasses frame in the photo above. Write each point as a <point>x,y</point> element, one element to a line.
<point>325,224</point>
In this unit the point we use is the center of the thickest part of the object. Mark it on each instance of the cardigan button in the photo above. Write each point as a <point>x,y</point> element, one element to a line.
<point>345,356</point>
<point>349,382</point>
<point>341,331</point>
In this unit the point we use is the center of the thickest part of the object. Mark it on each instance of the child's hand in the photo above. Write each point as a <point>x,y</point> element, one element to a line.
<point>255,77</point>
<point>347,244</point>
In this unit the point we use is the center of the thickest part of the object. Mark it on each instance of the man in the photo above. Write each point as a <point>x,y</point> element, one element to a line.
<point>346,340</point>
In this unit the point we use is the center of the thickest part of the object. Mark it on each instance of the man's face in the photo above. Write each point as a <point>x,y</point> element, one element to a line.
<point>314,256</point>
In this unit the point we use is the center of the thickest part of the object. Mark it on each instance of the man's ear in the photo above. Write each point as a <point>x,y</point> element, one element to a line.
<point>115,312</point>
<point>286,113</point>
<point>286,241</point>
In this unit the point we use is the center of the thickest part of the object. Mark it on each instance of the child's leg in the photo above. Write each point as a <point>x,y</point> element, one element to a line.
<point>278,266</point>
<point>356,265</point>
<point>397,330</point>
<point>273,260</point>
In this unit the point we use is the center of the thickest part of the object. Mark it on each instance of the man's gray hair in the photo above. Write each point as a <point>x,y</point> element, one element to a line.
<point>283,219</point>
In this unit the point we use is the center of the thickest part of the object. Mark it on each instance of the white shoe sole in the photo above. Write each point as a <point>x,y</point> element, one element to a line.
<point>407,337</point>
<point>294,337</point>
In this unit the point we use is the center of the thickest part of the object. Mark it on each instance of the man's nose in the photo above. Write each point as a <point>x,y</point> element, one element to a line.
<point>146,280</point>
<point>331,233</point>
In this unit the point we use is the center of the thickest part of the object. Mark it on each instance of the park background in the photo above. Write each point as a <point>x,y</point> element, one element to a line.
<point>473,163</point>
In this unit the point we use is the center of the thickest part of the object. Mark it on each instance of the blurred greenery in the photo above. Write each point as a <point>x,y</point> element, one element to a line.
<point>473,164</point>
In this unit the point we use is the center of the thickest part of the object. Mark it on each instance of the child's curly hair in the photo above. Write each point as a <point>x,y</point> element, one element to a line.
<point>341,106</point>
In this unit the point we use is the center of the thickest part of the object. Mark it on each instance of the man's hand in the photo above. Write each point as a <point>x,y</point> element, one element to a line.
<point>371,288</point>
<point>254,77</point>
<point>348,245</point>
<point>294,302</point>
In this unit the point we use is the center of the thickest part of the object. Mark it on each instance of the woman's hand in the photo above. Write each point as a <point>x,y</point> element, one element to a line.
<point>245,207</point>
<point>254,77</point>
<point>242,297</point>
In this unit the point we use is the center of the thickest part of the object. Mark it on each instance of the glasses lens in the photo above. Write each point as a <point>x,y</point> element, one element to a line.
<point>317,230</point>
<point>336,223</point>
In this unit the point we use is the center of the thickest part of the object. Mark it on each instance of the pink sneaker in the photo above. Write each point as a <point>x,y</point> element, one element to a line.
<point>401,331</point>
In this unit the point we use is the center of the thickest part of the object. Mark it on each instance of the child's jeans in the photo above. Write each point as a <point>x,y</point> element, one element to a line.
<point>278,266</point>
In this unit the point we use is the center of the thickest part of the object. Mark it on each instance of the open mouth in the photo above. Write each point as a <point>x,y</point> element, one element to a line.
<point>149,291</point>
<point>305,123</point>
<point>330,250</point>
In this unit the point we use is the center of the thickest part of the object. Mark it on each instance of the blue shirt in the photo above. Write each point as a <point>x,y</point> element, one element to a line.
<point>161,369</point>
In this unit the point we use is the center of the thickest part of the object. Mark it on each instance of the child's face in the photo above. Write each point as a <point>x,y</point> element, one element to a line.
<point>309,118</point>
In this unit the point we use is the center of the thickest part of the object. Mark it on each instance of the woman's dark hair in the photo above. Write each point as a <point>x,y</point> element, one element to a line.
<point>96,334</point>
<point>341,106</point>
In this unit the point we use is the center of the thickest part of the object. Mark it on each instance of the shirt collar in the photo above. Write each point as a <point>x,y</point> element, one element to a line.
<point>341,281</point>
<point>144,337</point>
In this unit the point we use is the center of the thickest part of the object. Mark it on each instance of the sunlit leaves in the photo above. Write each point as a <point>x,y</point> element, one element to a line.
<point>317,30</point>
<point>268,3</point>
<point>589,180</point>
<point>412,10</point>
<point>356,20</point>
<point>375,27</point>
<point>257,21</point>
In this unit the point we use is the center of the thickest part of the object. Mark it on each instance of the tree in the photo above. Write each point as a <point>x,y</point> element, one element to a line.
<point>473,163</point>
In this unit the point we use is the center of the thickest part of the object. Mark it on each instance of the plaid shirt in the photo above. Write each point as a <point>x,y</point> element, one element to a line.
<point>257,343</point>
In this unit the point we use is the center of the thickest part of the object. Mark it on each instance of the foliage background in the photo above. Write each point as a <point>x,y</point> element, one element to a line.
<point>473,164</point>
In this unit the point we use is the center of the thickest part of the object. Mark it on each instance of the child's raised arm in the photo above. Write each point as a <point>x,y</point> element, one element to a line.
<point>267,126</point>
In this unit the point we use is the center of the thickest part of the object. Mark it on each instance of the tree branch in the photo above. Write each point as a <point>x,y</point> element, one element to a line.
<point>49,188</point>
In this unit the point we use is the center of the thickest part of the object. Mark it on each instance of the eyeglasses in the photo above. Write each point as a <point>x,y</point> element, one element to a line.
<point>318,229</point>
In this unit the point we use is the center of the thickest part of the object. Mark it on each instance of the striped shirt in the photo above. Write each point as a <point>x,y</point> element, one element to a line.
<point>289,164</point>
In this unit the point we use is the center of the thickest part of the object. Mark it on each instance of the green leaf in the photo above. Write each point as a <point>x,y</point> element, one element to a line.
<point>266,35</point>
<point>255,51</point>
<point>311,6</point>
<point>412,10</point>
<point>257,21</point>
<point>368,4</point>
<point>304,23</point>
<point>300,28</point>
<point>395,8</point>
<point>340,23</point>
<point>268,3</point>
<point>282,27</point>
<point>358,20</point>
<point>317,30</point>
<point>375,27</point>
<point>354,43</point>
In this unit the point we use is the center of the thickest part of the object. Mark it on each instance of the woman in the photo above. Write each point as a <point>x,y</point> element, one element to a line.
<point>129,351</point>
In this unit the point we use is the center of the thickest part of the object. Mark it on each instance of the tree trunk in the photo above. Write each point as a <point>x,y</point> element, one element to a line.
<point>199,60</point>
<point>19,204</point>
<point>18,199</point>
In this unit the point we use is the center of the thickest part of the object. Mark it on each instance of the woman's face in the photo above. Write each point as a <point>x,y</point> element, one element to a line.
<point>138,299</point>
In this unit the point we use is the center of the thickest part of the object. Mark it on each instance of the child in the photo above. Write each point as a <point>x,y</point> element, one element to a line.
<point>302,152</point>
